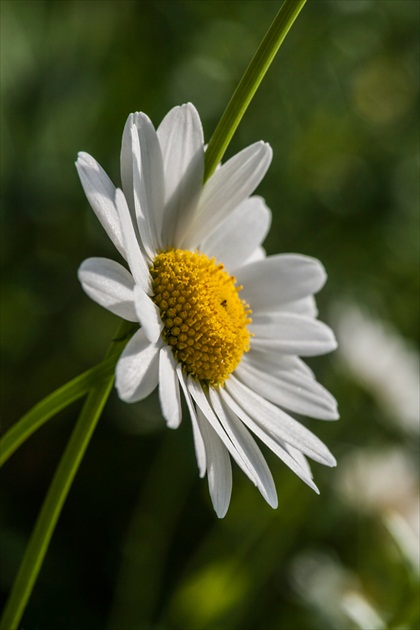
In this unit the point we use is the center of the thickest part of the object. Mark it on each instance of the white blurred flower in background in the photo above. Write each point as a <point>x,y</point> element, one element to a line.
<point>382,361</point>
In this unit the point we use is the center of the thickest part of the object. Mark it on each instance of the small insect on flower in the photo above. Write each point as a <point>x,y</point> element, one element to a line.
<point>219,320</point>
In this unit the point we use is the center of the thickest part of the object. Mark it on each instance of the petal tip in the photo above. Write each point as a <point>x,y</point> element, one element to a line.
<point>331,461</point>
<point>221,511</point>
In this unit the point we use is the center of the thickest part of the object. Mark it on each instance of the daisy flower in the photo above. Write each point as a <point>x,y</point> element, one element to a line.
<point>220,322</point>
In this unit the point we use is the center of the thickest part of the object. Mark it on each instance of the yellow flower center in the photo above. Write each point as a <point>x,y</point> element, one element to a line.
<point>205,321</point>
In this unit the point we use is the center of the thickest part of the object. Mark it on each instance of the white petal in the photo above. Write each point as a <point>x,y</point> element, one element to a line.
<point>135,258</point>
<point>148,314</point>
<point>300,458</point>
<point>237,237</point>
<point>258,254</point>
<point>290,390</point>
<point>100,192</point>
<point>170,400</point>
<point>200,451</point>
<point>181,140</point>
<point>152,189</point>
<point>201,401</point>
<point>278,424</point>
<point>274,362</point>
<point>137,370</point>
<point>304,306</point>
<point>126,163</point>
<point>219,470</point>
<point>148,182</point>
<point>292,334</point>
<point>110,285</point>
<point>248,449</point>
<point>279,448</point>
<point>231,184</point>
<point>280,279</point>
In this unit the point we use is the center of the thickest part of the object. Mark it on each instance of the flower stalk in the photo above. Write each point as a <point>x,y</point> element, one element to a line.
<point>60,486</point>
<point>250,83</point>
<point>51,405</point>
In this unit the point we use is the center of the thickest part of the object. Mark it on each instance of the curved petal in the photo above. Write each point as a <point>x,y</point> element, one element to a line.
<point>199,397</point>
<point>278,424</point>
<point>200,451</point>
<point>181,141</point>
<point>137,371</point>
<point>278,448</point>
<point>280,279</point>
<point>126,164</point>
<point>230,184</point>
<point>135,258</point>
<point>246,446</point>
<point>300,458</point>
<point>290,390</point>
<point>148,314</point>
<point>239,235</point>
<point>272,361</point>
<point>219,469</point>
<point>148,183</point>
<point>292,334</point>
<point>258,254</point>
<point>170,400</point>
<point>304,306</point>
<point>100,192</point>
<point>110,285</point>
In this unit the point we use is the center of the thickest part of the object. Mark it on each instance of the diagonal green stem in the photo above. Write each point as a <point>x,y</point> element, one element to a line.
<point>57,493</point>
<point>51,405</point>
<point>249,83</point>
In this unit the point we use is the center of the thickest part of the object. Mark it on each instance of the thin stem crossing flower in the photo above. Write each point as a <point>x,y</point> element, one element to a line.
<point>220,322</point>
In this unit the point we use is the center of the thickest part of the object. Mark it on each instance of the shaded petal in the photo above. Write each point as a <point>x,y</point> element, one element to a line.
<point>230,184</point>
<point>278,424</point>
<point>148,183</point>
<point>304,306</point>
<point>277,280</point>
<point>278,447</point>
<point>110,285</point>
<point>291,390</point>
<point>239,235</point>
<point>246,446</point>
<point>135,258</point>
<point>137,371</point>
<point>201,401</point>
<point>100,192</point>
<point>148,314</point>
<point>274,362</point>
<point>258,254</point>
<point>292,334</point>
<point>170,400</point>
<point>126,164</point>
<point>142,170</point>
<point>181,141</point>
<point>300,458</point>
<point>219,469</point>
<point>200,451</point>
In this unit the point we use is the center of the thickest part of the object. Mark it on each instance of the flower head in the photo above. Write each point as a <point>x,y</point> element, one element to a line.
<point>219,321</point>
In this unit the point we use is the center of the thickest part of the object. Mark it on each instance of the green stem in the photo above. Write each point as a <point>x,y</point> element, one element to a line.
<point>249,83</point>
<point>51,405</point>
<point>60,486</point>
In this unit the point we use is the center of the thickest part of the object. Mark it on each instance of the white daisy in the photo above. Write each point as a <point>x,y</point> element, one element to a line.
<point>230,343</point>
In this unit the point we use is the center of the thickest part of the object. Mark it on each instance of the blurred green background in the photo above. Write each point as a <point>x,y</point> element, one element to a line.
<point>138,545</point>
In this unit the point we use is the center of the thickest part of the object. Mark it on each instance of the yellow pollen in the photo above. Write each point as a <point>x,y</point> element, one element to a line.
<point>205,321</point>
